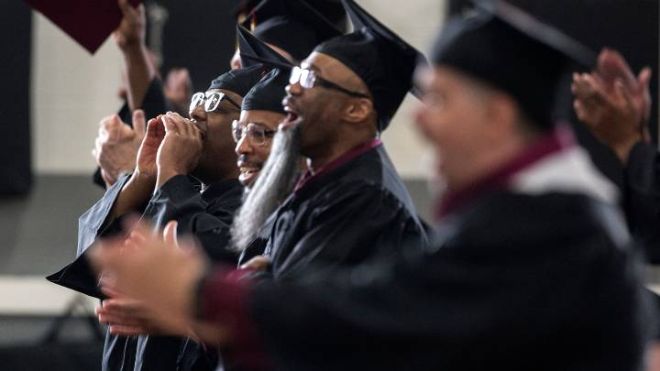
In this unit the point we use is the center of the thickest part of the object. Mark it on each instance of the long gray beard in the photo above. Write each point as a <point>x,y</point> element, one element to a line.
<point>273,186</point>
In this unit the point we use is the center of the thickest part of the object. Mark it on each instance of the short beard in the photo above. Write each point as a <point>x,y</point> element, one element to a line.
<point>273,186</point>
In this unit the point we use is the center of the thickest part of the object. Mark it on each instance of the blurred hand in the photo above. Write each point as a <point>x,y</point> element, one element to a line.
<point>132,28</point>
<point>181,148</point>
<point>153,277</point>
<point>613,103</point>
<point>178,88</point>
<point>258,263</point>
<point>117,144</point>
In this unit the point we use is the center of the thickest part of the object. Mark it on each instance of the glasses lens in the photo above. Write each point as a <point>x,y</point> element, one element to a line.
<point>236,131</point>
<point>213,101</point>
<point>295,75</point>
<point>257,134</point>
<point>196,100</point>
<point>308,79</point>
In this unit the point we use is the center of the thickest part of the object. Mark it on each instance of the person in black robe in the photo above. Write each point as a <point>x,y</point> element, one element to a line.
<point>164,189</point>
<point>615,105</point>
<point>351,203</point>
<point>141,90</point>
<point>531,267</point>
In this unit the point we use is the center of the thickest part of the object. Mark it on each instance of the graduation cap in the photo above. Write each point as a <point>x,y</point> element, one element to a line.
<point>292,25</point>
<point>268,93</point>
<point>88,22</point>
<point>507,48</point>
<point>239,81</point>
<point>254,51</point>
<point>379,57</point>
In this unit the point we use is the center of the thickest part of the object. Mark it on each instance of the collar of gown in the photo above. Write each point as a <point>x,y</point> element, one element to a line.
<point>552,163</point>
<point>345,158</point>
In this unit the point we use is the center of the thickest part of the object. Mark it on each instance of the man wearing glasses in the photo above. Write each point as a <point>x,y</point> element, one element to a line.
<point>350,204</point>
<point>185,171</point>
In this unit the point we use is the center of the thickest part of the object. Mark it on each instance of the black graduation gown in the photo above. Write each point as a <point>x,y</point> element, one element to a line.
<point>343,217</point>
<point>514,282</point>
<point>154,104</point>
<point>206,215</point>
<point>642,198</point>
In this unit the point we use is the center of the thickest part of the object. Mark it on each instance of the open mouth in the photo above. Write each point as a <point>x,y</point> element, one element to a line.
<point>248,171</point>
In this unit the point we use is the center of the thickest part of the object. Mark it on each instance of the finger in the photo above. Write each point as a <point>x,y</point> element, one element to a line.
<point>170,234</point>
<point>624,98</point>
<point>114,128</point>
<point>644,77</point>
<point>125,7</point>
<point>170,126</point>
<point>139,123</point>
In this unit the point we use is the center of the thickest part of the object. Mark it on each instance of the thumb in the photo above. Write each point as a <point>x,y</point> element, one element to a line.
<point>139,123</point>
<point>644,77</point>
<point>169,234</point>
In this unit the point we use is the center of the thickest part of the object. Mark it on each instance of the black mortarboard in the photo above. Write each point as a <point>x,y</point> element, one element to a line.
<point>254,51</point>
<point>239,81</point>
<point>292,25</point>
<point>268,93</point>
<point>510,50</point>
<point>379,57</point>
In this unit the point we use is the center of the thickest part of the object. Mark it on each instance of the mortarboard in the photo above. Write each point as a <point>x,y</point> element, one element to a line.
<point>239,81</point>
<point>88,22</point>
<point>254,51</point>
<point>379,57</point>
<point>294,25</point>
<point>268,93</point>
<point>507,48</point>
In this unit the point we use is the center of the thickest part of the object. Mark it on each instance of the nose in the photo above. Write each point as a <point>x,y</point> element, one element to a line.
<point>198,114</point>
<point>243,147</point>
<point>294,89</point>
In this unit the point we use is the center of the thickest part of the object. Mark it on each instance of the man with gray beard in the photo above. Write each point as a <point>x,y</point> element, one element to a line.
<point>350,205</point>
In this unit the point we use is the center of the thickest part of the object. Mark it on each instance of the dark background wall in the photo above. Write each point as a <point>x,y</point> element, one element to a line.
<point>15,38</point>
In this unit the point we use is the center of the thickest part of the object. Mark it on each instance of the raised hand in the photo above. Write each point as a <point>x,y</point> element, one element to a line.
<point>132,28</point>
<point>614,103</point>
<point>181,148</point>
<point>117,144</point>
<point>148,152</point>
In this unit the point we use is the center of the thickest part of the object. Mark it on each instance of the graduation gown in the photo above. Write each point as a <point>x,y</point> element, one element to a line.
<point>530,270</point>
<point>642,198</point>
<point>154,104</point>
<point>354,208</point>
<point>206,215</point>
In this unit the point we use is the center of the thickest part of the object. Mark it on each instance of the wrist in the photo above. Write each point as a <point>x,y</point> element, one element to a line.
<point>166,174</point>
<point>623,149</point>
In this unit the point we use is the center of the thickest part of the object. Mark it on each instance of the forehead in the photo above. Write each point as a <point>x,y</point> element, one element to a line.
<point>268,119</point>
<point>327,66</point>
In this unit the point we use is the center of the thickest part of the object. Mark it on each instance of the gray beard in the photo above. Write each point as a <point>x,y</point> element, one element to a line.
<point>274,185</point>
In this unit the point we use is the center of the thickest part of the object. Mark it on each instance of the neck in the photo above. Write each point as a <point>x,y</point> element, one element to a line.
<point>335,151</point>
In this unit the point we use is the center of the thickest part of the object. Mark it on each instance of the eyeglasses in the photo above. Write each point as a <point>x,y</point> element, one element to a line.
<point>308,79</point>
<point>257,134</point>
<point>210,100</point>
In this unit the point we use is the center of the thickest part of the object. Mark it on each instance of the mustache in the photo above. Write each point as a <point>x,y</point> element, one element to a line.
<point>273,186</point>
<point>244,160</point>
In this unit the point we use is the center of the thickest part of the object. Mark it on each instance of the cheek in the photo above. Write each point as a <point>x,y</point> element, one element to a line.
<point>261,153</point>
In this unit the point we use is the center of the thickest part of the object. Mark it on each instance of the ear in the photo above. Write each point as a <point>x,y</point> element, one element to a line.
<point>502,114</point>
<point>358,110</point>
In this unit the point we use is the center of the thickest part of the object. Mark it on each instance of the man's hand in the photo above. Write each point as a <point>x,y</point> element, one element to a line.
<point>148,151</point>
<point>157,274</point>
<point>181,149</point>
<point>258,263</point>
<point>117,144</point>
<point>178,88</point>
<point>132,29</point>
<point>613,103</point>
